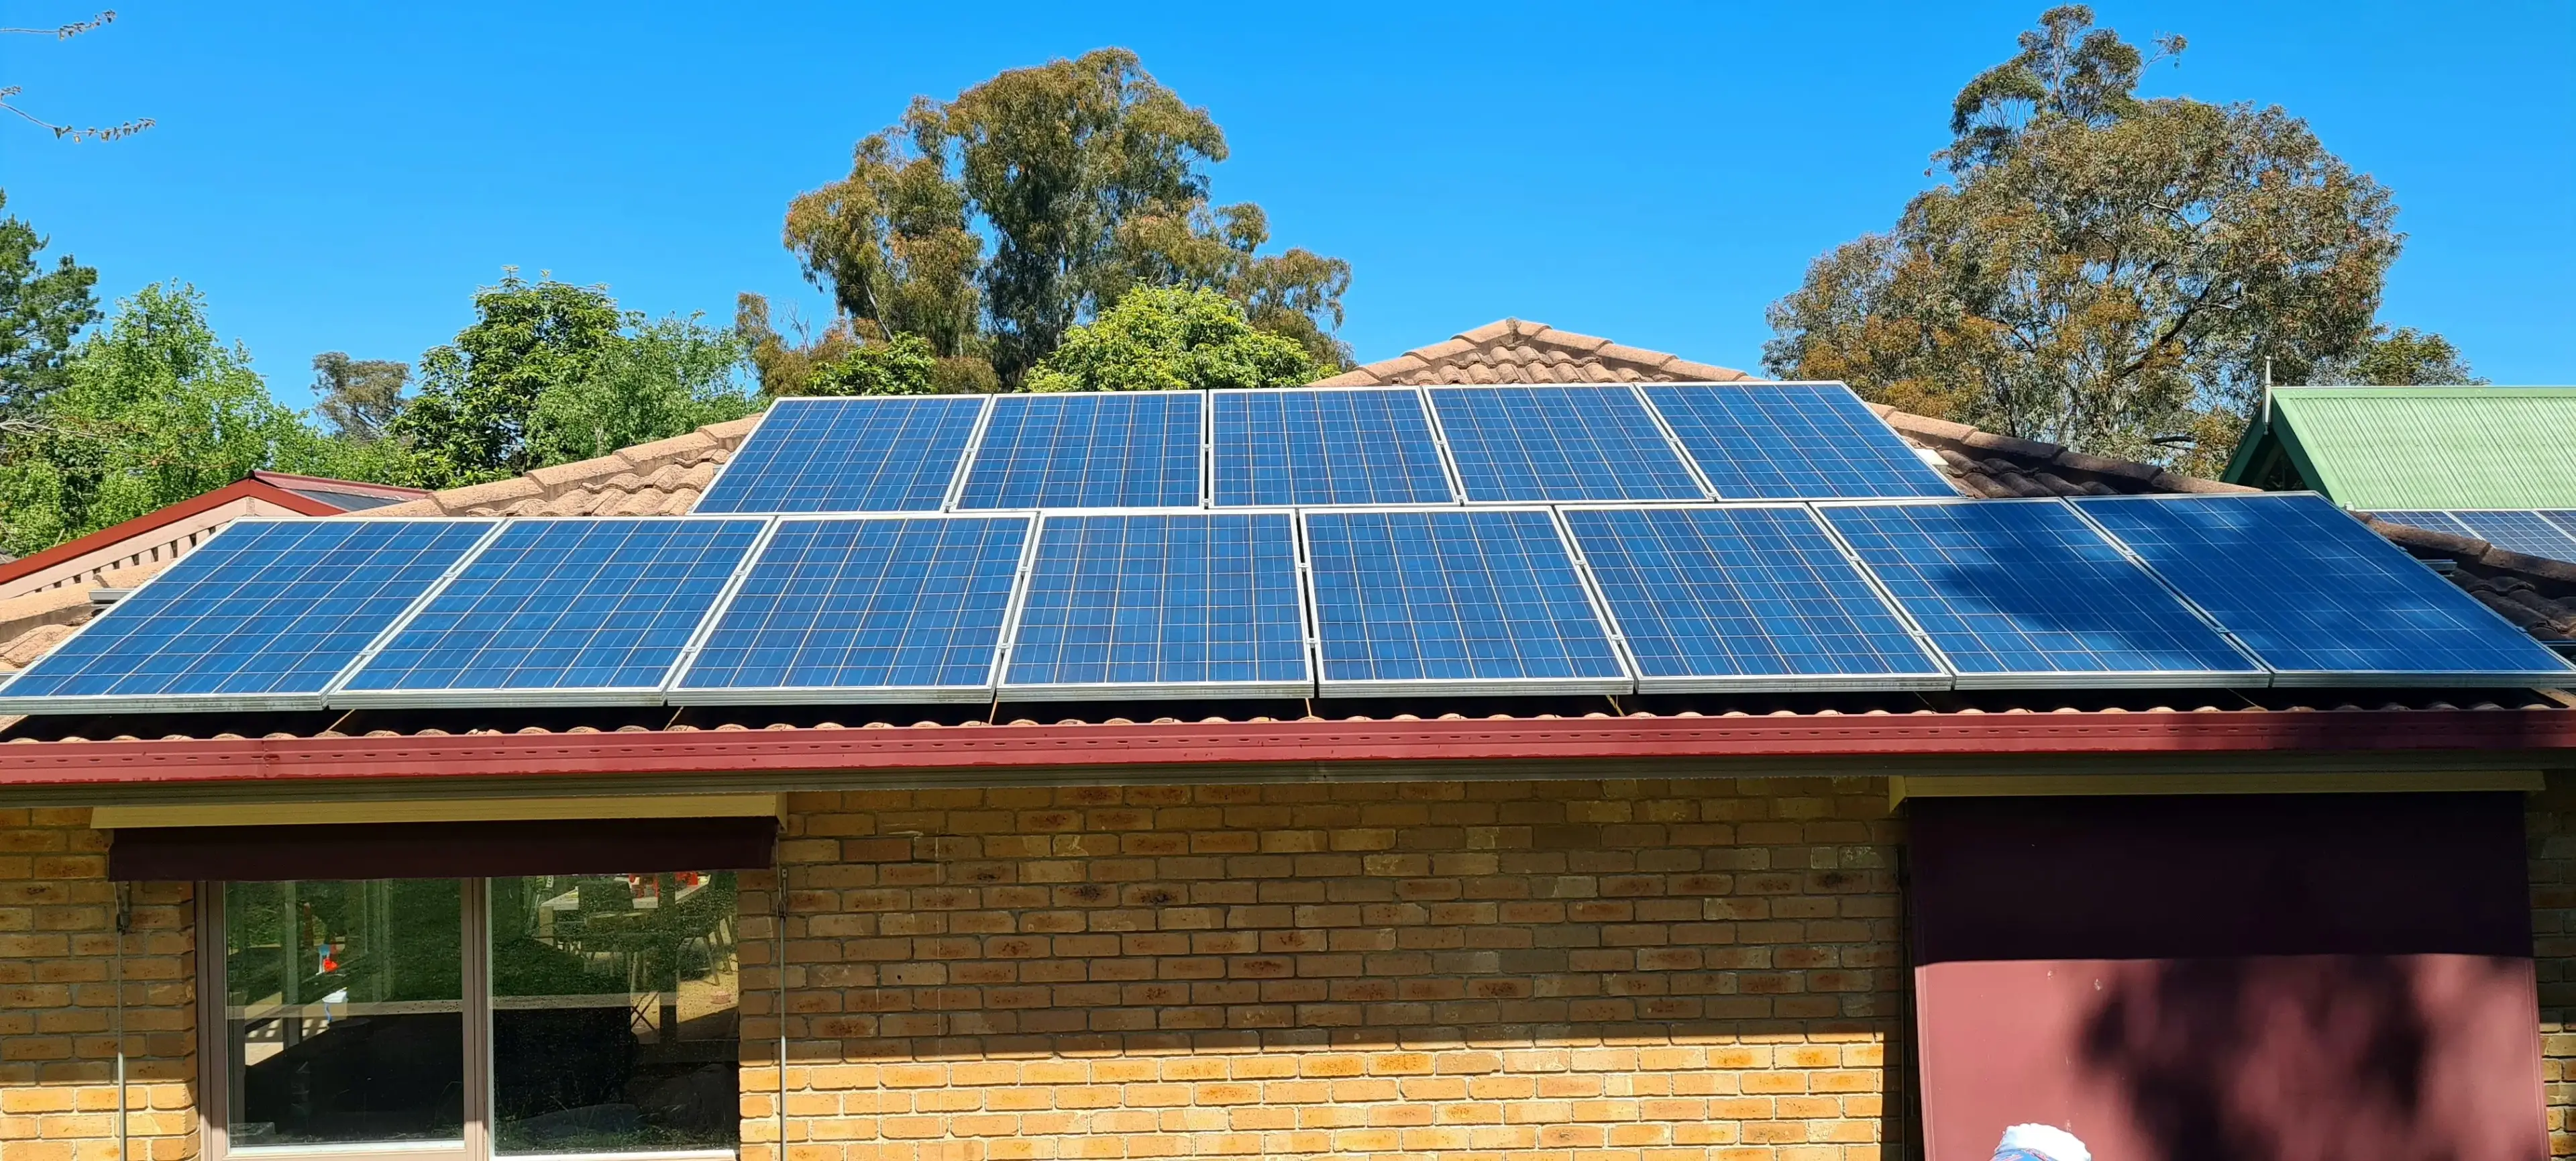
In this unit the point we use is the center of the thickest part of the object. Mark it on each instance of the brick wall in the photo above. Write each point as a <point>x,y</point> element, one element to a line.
<point>2551,817</point>
<point>1577,969</point>
<point>58,947</point>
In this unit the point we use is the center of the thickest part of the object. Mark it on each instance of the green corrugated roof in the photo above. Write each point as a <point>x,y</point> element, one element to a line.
<point>2381,448</point>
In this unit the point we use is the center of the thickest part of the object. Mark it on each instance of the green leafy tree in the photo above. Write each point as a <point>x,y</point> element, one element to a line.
<point>1087,177</point>
<point>478,395</point>
<point>902,365</point>
<point>358,397</point>
<point>154,409</point>
<point>2403,357</point>
<point>1172,339</point>
<point>658,380</point>
<point>40,311</point>
<point>2102,270</point>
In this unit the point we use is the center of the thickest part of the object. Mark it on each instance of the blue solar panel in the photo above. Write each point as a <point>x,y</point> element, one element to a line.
<point>1134,450</point>
<point>582,610</point>
<point>1483,600</point>
<point>875,610</point>
<point>2564,518</point>
<point>1332,446</point>
<point>1791,441</point>
<point>1171,606</point>
<point>2017,593</point>
<point>262,616</point>
<point>880,454</point>
<point>1714,598</point>
<point>2319,597</point>
<point>2437,521</point>
<point>2531,533</point>
<point>1559,443</point>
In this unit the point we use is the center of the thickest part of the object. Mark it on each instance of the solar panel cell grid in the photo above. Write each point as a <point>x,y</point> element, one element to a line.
<point>265,614</point>
<point>1162,605</point>
<point>1453,600</point>
<point>1289,446</point>
<point>1133,450</point>
<point>2531,533</point>
<point>1791,441</point>
<point>580,607</point>
<point>1709,597</point>
<point>848,455</point>
<point>885,609</point>
<point>1559,443</point>
<point>2317,595</point>
<point>2026,593</point>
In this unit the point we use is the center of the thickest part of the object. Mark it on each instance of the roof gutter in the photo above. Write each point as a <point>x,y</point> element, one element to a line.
<point>788,759</point>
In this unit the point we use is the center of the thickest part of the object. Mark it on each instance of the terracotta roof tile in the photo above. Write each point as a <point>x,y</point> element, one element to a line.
<point>1516,351</point>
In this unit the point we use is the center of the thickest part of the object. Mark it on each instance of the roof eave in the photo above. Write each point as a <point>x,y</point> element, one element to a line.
<point>71,772</point>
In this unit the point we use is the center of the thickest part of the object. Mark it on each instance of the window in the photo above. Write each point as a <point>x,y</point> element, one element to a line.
<point>546,1015</point>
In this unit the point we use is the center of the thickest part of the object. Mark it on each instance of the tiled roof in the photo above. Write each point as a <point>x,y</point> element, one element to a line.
<point>1512,351</point>
<point>665,477</point>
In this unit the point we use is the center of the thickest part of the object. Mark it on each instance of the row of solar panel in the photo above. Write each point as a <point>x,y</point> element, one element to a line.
<point>1319,446</point>
<point>2533,532</point>
<point>2131,591</point>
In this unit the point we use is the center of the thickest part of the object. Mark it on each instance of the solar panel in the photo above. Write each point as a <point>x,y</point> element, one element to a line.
<point>560,612</point>
<point>1737,598</point>
<point>872,610</point>
<point>1581,442</point>
<point>2026,594</point>
<point>1179,605</point>
<point>261,617</point>
<point>1453,601</point>
<point>1328,446</point>
<point>876,454</point>
<point>1791,441</point>
<point>1105,450</point>
<point>2531,533</point>
<point>2437,521</point>
<point>2318,596</point>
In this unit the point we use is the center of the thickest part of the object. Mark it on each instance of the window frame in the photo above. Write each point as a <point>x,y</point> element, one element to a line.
<point>214,1056</point>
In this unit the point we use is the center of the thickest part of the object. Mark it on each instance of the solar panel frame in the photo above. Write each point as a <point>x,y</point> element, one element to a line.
<point>1328,686</point>
<point>1043,488</point>
<point>230,703</point>
<point>1439,450</point>
<point>1936,675</point>
<point>342,696</point>
<point>2550,668</point>
<point>1007,690</point>
<point>2255,675</point>
<point>772,415</point>
<point>1904,475</point>
<point>1468,487</point>
<point>677,692</point>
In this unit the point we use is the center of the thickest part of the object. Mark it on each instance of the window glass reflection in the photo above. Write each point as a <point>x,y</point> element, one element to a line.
<point>614,1013</point>
<point>344,1015</point>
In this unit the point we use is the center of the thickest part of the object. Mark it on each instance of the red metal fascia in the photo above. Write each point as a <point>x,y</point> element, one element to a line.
<point>2545,733</point>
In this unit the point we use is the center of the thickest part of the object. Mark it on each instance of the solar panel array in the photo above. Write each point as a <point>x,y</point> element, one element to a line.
<point>2547,533</point>
<point>1315,446</point>
<point>1301,542</point>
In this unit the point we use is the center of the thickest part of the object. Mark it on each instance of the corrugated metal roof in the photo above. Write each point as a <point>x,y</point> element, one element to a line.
<point>2375,448</point>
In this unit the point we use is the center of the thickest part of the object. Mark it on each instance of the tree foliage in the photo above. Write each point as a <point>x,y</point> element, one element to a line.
<point>2404,357</point>
<point>1086,177</point>
<point>40,312</point>
<point>479,393</point>
<point>9,93</point>
<point>358,397</point>
<point>654,381</point>
<point>1173,339</point>
<point>154,409</point>
<point>2103,271</point>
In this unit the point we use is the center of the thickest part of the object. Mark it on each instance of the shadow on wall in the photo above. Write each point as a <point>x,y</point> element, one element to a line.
<point>2319,1058</point>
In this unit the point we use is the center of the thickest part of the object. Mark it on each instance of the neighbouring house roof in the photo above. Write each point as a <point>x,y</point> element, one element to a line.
<point>666,477</point>
<point>160,536</point>
<point>2397,448</point>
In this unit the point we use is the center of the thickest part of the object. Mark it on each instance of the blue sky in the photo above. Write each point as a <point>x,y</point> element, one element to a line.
<point>343,177</point>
